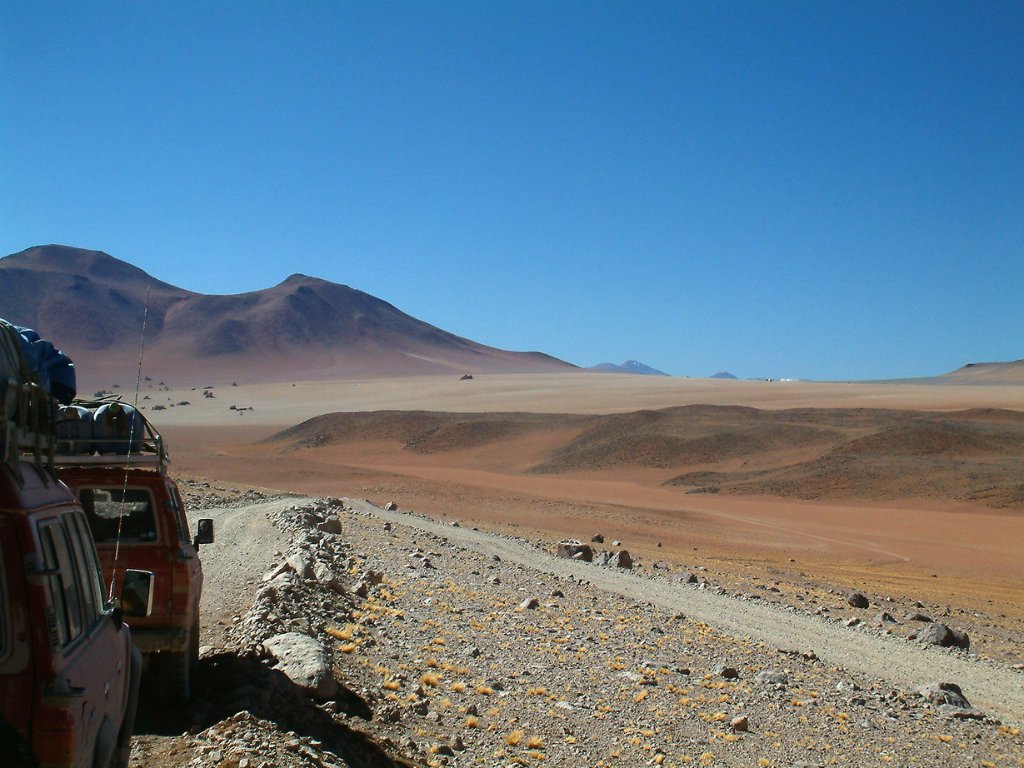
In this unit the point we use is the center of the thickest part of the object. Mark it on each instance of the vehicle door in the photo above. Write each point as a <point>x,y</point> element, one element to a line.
<point>89,664</point>
<point>189,583</point>
<point>16,681</point>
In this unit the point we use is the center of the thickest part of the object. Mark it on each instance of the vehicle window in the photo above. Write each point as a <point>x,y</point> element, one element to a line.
<point>179,513</point>
<point>128,510</point>
<point>62,584</point>
<point>88,573</point>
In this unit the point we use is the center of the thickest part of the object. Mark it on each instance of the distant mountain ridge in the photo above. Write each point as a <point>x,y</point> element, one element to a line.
<point>92,305</point>
<point>630,366</point>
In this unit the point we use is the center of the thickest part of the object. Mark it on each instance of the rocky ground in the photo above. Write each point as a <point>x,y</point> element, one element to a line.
<point>339,634</point>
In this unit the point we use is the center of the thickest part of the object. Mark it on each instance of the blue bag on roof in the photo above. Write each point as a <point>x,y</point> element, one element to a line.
<point>53,368</point>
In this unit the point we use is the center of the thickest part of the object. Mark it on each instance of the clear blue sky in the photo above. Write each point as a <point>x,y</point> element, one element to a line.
<point>787,189</point>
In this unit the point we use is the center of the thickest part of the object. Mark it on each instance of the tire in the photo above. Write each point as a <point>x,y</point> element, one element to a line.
<point>175,669</point>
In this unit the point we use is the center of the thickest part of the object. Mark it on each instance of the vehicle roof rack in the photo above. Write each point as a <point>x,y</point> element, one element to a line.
<point>27,426</point>
<point>145,451</point>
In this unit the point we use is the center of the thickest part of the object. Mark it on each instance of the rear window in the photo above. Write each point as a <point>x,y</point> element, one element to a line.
<point>124,511</point>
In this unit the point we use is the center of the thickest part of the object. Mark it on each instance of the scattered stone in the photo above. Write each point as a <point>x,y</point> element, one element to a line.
<point>300,564</point>
<point>573,548</point>
<point>686,578</point>
<point>621,559</point>
<point>858,600</point>
<point>740,723</point>
<point>726,672</point>
<point>529,604</point>
<point>597,538</point>
<point>943,636</point>
<point>391,506</point>
<point>772,677</point>
<point>944,693</point>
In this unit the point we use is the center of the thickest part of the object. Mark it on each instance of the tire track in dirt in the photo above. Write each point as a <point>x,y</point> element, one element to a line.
<point>992,688</point>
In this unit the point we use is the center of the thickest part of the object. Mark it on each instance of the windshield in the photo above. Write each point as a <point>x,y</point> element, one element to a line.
<point>108,509</point>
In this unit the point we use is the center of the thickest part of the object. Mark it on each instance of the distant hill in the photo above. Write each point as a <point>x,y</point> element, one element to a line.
<point>878,454</point>
<point>91,305</point>
<point>988,373</point>
<point>722,375</point>
<point>630,366</point>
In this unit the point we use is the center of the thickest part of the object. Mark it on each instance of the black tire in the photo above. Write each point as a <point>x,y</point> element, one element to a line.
<point>175,669</point>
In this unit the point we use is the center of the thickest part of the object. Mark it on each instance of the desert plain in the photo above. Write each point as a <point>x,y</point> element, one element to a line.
<point>931,543</point>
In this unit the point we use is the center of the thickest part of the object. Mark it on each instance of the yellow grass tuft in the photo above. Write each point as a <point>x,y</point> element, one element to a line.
<point>514,738</point>
<point>486,690</point>
<point>347,647</point>
<point>345,633</point>
<point>472,722</point>
<point>458,687</point>
<point>391,685</point>
<point>429,679</point>
<point>535,742</point>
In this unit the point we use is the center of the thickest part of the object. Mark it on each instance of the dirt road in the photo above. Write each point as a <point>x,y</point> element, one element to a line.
<point>993,688</point>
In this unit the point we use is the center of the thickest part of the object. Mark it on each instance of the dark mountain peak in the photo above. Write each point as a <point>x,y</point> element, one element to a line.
<point>722,375</point>
<point>84,263</point>
<point>94,304</point>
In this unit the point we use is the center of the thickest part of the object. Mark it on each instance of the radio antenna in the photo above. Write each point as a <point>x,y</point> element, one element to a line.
<point>131,432</point>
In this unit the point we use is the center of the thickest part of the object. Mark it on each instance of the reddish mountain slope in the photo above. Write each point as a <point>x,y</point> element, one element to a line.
<point>92,305</point>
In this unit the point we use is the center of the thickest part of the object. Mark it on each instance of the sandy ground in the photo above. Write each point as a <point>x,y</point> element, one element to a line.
<point>287,404</point>
<point>946,553</point>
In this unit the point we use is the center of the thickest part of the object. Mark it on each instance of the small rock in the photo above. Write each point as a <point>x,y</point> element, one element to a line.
<point>772,677</point>
<point>944,693</point>
<point>941,635</point>
<point>574,549</point>
<point>857,600</point>
<point>529,604</point>
<point>740,723</point>
<point>729,673</point>
<point>391,506</point>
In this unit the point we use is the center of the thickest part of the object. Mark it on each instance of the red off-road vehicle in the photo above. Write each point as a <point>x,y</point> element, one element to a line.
<point>138,520</point>
<point>69,674</point>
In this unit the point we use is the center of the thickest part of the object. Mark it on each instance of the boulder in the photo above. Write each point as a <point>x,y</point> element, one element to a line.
<point>305,662</point>
<point>621,559</point>
<point>300,564</point>
<point>686,577</point>
<point>597,538</point>
<point>944,693</point>
<point>331,525</point>
<point>326,576</point>
<point>857,600</point>
<point>941,635</point>
<point>573,548</point>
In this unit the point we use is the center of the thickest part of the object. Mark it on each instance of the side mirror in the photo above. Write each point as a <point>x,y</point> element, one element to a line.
<point>137,593</point>
<point>204,532</point>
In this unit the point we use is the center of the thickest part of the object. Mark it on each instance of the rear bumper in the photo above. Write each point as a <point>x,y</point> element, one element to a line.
<point>152,640</point>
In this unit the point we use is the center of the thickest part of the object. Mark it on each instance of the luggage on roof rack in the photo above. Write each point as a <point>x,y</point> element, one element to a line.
<point>27,412</point>
<point>107,433</point>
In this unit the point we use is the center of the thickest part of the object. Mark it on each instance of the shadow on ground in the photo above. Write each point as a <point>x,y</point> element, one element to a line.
<point>226,684</point>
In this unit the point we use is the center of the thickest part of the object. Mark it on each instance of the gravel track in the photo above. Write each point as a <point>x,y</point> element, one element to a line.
<point>990,687</point>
